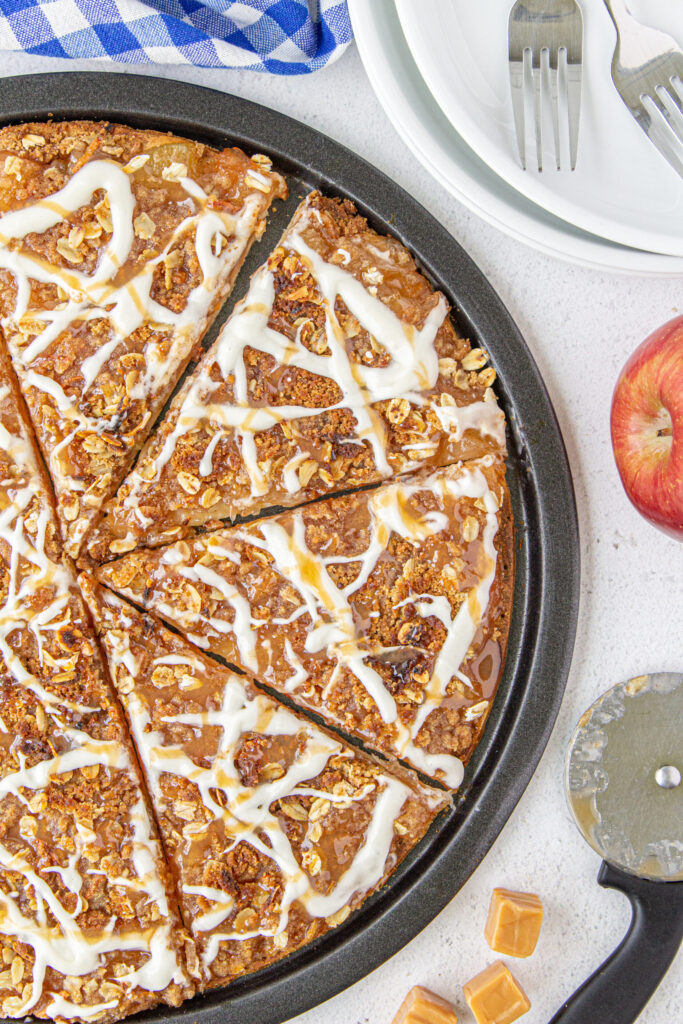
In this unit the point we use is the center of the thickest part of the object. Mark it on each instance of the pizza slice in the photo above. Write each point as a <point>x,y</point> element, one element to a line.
<point>276,830</point>
<point>339,368</point>
<point>117,249</point>
<point>385,611</point>
<point>88,923</point>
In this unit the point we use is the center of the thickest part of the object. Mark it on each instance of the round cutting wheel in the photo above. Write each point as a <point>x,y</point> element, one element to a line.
<point>623,776</point>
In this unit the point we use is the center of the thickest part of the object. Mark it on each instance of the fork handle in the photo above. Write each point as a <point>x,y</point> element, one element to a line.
<point>619,989</point>
<point>618,10</point>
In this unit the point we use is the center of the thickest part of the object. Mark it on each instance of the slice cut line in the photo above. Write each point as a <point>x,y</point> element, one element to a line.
<point>117,249</point>
<point>276,829</point>
<point>384,611</point>
<point>88,923</point>
<point>338,369</point>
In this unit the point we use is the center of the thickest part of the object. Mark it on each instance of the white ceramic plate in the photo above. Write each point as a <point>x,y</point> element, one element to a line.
<point>622,188</point>
<point>435,143</point>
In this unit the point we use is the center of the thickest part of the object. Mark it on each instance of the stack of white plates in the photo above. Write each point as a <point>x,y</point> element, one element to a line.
<point>440,71</point>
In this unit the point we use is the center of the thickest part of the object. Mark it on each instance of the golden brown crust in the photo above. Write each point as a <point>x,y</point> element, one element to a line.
<point>256,777</point>
<point>81,869</point>
<point>23,469</point>
<point>240,436</point>
<point>95,389</point>
<point>353,598</point>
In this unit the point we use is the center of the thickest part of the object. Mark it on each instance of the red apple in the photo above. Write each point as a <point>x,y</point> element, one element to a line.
<point>647,427</point>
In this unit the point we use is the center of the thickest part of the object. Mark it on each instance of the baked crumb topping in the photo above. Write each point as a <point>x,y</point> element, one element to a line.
<point>117,247</point>
<point>386,611</point>
<point>275,829</point>
<point>339,368</point>
<point>87,925</point>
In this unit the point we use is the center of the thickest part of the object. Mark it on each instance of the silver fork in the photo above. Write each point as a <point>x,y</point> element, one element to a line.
<point>545,45</point>
<point>647,70</point>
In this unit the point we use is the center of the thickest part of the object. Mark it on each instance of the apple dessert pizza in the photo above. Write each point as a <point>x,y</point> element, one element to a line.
<point>117,248</point>
<point>322,505</point>
<point>386,611</point>
<point>275,829</point>
<point>340,367</point>
<point>88,922</point>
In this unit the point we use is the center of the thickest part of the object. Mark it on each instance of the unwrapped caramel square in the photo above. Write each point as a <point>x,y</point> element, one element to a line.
<point>495,997</point>
<point>514,922</point>
<point>421,1006</point>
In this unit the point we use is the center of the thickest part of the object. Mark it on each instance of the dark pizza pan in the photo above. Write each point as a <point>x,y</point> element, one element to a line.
<point>547,544</point>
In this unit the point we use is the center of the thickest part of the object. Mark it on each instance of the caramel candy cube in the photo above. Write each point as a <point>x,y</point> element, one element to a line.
<point>421,1006</point>
<point>494,997</point>
<point>514,922</point>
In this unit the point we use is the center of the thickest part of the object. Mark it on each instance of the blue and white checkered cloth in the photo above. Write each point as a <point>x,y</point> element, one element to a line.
<point>283,37</point>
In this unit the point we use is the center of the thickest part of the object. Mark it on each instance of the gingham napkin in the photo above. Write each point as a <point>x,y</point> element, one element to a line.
<point>283,37</point>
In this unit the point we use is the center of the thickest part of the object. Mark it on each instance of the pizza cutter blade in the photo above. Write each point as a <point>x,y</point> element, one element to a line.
<point>624,787</point>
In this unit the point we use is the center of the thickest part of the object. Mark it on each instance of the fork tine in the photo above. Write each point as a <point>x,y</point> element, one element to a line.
<point>537,31</point>
<point>656,125</point>
<point>529,99</point>
<point>674,103</point>
<point>517,88</point>
<point>667,150</point>
<point>659,103</point>
<point>574,75</point>
<point>538,112</point>
<point>553,94</point>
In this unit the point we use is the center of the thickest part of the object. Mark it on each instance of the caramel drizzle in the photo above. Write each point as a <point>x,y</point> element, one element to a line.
<point>413,369</point>
<point>333,629</point>
<point>246,816</point>
<point>220,239</point>
<point>62,946</point>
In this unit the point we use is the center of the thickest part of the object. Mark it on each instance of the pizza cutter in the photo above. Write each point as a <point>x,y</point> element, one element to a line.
<point>623,784</point>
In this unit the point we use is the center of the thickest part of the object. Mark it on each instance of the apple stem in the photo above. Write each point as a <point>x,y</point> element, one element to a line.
<point>665,431</point>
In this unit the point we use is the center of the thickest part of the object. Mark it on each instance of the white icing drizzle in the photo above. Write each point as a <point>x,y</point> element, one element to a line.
<point>332,627</point>
<point>57,941</point>
<point>247,816</point>
<point>64,1009</point>
<point>91,366</point>
<point>30,568</point>
<point>110,755</point>
<point>239,604</point>
<point>125,307</point>
<point>334,630</point>
<point>368,866</point>
<point>206,464</point>
<point>212,918</point>
<point>61,1008</point>
<point>413,369</point>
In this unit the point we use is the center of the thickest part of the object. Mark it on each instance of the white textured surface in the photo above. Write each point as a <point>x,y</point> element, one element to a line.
<point>580,326</point>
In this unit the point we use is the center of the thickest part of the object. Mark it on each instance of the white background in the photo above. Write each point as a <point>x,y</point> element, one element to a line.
<point>580,326</point>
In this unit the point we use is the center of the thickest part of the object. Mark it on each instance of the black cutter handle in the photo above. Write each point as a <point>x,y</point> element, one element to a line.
<point>619,989</point>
